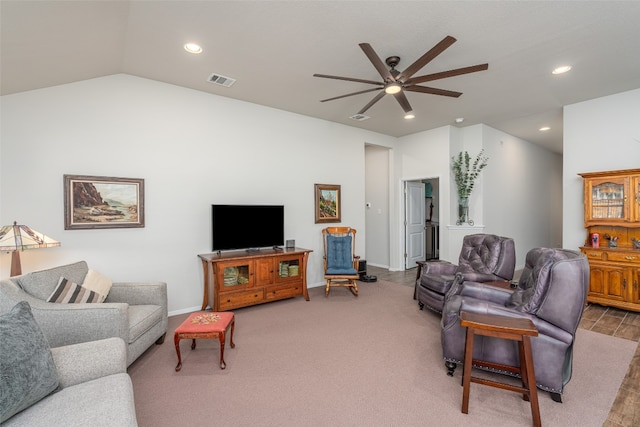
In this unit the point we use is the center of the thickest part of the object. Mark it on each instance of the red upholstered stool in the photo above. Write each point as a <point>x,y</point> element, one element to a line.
<point>205,325</point>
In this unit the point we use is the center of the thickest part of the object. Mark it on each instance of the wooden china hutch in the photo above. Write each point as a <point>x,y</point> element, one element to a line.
<point>612,214</point>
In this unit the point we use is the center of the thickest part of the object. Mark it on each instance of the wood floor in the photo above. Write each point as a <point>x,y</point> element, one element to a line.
<point>606,320</point>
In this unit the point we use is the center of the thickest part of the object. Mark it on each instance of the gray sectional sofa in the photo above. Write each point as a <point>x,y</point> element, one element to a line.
<point>94,389</point>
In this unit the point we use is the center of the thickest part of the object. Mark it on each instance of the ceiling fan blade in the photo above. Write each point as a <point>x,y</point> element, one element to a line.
<point>426,58</point>
<point>445,74</point>
<point>351,94</point>
<point>433,91</point>
<point>377,98</point>
<point>377,62</point>
<point>349,79</point>
<point>403,101</point>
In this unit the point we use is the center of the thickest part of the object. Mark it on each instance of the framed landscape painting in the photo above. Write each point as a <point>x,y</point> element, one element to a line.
<point>92,202</point>
<point>327,203</point>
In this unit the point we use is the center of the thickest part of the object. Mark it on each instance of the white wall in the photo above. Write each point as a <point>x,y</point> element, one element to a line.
<point>526,206</point>
<point>522,192</point>
<point>418,156</point>
<point>599,135</point>
<point>193,149</point>
<point>377,194</point>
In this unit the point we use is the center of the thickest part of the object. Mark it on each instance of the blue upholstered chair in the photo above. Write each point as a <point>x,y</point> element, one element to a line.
<point>340,261</point>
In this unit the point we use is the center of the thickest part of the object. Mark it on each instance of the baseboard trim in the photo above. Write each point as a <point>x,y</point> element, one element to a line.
<point>184,311</point>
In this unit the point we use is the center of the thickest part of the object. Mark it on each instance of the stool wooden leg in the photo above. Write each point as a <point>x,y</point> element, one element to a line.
<point>523,370</point>
<point>193,344</point>
<point>466,370</point>
<point>221,338</point>
<point>176,341</point>
<point>531,380</point>
<point>233,327</point>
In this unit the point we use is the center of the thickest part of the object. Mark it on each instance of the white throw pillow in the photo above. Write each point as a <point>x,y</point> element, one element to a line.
<point>98,283</point>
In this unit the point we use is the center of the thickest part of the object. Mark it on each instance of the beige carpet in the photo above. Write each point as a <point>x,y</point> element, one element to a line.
<point>374,360</point>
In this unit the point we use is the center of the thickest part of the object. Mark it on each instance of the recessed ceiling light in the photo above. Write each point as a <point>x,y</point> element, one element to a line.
<point>193,48</point>
<point>561,70</point>
<point>460,120</point>
<point>544,129</point>
<point>410,115</point>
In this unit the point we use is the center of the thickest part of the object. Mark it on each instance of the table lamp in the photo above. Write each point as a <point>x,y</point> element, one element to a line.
<point>16,237</point>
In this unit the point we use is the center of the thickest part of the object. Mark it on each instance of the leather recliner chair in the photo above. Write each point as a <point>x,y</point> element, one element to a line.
<point>483,258</point>
<point>552,292</point>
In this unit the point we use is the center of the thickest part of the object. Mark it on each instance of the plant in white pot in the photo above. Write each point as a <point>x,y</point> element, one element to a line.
<point>465,173</point>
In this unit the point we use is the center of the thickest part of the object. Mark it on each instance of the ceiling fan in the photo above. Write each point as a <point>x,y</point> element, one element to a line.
<point>396,82</point>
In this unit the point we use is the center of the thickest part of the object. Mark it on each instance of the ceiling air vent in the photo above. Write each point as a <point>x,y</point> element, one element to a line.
<point>221,80</point>
<point>359,117</point>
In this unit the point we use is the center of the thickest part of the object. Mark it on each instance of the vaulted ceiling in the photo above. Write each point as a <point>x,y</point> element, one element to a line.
<point>273,48</point>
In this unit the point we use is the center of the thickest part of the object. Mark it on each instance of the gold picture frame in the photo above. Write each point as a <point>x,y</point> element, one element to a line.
<point>328,205</point>
<point>94,202</point>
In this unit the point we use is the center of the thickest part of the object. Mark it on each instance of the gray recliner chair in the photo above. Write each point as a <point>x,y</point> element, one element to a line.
<point>483,258</point>
<point>552,292</point>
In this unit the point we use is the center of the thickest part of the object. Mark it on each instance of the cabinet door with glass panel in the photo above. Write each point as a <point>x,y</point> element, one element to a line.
<point>608,199</point>
<point>235,275</point>
<point>289,268</point>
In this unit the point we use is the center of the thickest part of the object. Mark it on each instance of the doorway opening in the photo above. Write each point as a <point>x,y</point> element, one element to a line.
<point>422,219</point>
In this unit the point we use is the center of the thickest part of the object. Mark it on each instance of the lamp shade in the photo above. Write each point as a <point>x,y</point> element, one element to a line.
<point>20,237</point>
<point>17,238</point>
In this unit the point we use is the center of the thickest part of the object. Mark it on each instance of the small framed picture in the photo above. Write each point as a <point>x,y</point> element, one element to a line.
<point>92,202</point>
<point>327,203</point>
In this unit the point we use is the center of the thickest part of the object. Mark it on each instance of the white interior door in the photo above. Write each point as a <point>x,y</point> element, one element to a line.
<point>415,239</point>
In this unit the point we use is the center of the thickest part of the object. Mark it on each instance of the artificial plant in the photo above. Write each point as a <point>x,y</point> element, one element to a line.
<point>466,172</point>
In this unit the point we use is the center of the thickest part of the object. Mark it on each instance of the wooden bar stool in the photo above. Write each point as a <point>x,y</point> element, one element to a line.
<point>508,328</point>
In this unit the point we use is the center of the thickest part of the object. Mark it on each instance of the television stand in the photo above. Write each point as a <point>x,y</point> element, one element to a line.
<point>240,278</point>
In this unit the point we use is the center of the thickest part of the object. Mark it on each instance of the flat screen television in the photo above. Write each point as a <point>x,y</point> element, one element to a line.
<point>247,226</point>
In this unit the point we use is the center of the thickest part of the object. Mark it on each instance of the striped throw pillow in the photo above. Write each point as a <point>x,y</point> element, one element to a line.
<point>70,292</point>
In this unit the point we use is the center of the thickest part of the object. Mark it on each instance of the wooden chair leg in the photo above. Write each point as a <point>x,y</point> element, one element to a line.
<point>326,291</point>
<point>353,287</point>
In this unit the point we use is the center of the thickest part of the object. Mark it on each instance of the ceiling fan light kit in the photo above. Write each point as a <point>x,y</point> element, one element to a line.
<point>396,82</point>
<point>392,88</point>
